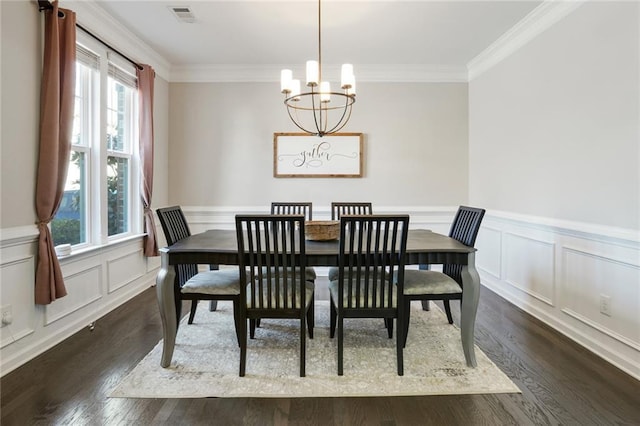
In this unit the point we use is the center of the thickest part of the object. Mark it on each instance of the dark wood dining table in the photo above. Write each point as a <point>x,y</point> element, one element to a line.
<point>219,247</point>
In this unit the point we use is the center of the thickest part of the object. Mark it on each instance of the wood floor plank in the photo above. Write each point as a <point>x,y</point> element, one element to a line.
<point>561,383</point>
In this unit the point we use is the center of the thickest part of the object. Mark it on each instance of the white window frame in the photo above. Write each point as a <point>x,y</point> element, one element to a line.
<point>130,152</point>
<point>96,154</point>
<point>88,94</point>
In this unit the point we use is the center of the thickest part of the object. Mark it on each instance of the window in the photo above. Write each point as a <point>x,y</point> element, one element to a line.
<point>101,196</point>
<point>121,119</point>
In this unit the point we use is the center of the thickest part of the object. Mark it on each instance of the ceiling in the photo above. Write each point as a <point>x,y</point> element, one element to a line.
<point>265,32</point>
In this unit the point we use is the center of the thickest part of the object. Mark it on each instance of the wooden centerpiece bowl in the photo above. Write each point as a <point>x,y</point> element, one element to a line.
<point>322,230</point>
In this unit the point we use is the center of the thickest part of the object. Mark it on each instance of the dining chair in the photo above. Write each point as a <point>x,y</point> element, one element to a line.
<point>427,285</point>
<point>275,244</point>
<point>351,208</point>
<point>212,285</point>
<point>339,208</point>
<point>293,207</point>
<point>371,246</point>
<point>296,208</point>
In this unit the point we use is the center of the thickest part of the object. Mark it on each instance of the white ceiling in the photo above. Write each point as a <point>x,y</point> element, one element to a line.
<point>279,33</point>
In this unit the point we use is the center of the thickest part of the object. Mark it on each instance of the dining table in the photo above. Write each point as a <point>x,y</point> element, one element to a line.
<point>219,247</point>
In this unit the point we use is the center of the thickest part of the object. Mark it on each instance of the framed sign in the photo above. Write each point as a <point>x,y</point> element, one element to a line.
<point>303,155</point>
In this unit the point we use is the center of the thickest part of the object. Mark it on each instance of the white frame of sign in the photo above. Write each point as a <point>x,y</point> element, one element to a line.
<point>300,155</point>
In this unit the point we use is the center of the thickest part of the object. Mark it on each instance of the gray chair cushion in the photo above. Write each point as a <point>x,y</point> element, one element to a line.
<point>334,272</point>
<point>334,290</point>
<point>429,282</point>
<point>310,273</point>
<point>214,282</point>
<point>309,289</point>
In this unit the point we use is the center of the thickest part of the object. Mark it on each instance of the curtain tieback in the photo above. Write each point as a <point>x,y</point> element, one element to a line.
<point>42,223</point>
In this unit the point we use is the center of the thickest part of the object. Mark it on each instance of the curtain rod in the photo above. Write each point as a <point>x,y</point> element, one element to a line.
<point>46,5</point>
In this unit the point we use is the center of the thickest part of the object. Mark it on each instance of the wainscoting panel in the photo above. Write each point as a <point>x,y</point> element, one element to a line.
<point>83,288</point>
<point>581,279</point>
<point>607,281</point>
<point>153,263</point>
<point>529,266</point>
<point>489,256</point>
<point>124,268</point>
<point>14,271</point>
<point>36,328</point>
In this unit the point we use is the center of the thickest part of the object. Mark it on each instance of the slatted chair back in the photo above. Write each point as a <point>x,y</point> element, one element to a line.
<point>464,228</point>
<point>271,250</point>
<point>175,227</point>
<point>338,209</point>
<point>349,208</point>
<point>293,208</point>
<point>372,248</point>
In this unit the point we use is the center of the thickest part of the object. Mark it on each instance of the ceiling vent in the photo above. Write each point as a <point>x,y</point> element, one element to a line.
<point>183,14</point>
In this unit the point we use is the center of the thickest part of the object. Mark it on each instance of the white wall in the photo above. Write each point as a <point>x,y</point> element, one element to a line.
<point>553,146</point>
<point>554,127</point>
<point>20,86</point>
<point>221,146</point>
<point>161,146</point>
<point>98,280</point>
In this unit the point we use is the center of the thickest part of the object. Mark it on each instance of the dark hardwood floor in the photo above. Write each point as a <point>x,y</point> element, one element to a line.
<point>561,383</point>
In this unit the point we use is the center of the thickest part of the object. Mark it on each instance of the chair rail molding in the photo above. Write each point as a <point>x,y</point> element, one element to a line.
<point>201,218</point>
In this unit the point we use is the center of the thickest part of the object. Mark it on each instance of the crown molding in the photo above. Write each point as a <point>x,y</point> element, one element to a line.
<point>532,25</point>
<point>364,73</point>
<point>95,19</point>
<point>99,22</point>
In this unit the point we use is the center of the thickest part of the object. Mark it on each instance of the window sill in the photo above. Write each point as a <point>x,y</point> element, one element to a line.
<point>91,250</point>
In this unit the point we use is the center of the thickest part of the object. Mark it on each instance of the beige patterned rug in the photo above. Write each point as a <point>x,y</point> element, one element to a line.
<point>206,361</point>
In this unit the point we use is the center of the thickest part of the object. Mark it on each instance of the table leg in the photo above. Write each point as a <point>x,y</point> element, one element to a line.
<point>166,303</point>
<point>425,303</point>
<point>470,298</point>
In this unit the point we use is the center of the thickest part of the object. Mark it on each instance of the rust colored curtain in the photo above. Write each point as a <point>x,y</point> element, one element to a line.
<point>56,122</point>
<point>145,96</point>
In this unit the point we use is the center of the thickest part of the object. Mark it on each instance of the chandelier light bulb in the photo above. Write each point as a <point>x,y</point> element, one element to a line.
<point>286,76</point>
<point>295,89</point>
<point>313,73</point>
<point>325,92</point>
<point>347,78</point>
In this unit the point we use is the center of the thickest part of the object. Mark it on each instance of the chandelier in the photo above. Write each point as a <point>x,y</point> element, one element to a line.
<point>319,111</point>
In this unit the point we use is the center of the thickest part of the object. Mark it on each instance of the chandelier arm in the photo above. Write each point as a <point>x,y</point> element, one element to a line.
<point>295,121</point>
<point>342,123</point>
<point>315,114</point>
<point>339,124</point>
<point>324,118</point>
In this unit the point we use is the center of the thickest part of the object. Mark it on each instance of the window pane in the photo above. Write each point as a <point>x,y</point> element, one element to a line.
<point>118,116</point>
<point>120,108</point>
<point>69,226</point>
<point>117,195</point>
<point>81,113</point>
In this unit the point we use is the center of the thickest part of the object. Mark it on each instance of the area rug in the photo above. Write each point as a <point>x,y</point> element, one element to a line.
<point>206,361</point>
